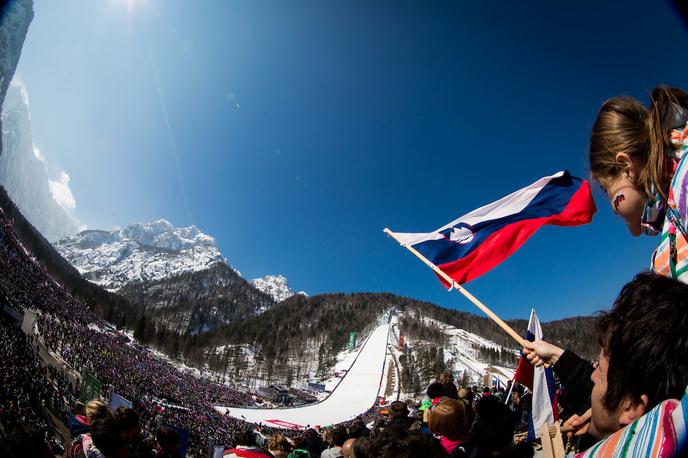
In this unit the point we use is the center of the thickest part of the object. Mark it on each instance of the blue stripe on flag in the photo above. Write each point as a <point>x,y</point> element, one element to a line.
<point>551,200</point>
<point>550,384</point>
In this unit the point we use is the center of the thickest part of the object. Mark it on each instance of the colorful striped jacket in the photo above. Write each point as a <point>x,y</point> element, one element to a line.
<point>660,433</point>
<point>671,256</point>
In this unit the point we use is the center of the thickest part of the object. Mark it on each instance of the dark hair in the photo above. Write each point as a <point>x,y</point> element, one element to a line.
<point>168,438</point>
<point>25,439</point>
<point>364,447</point>
<point>413,445</point>
<point>358,429</point>
<point>435,390</point>
<point>107,436</point>
<point>449,390</point>
<point>398,409</point>
<point>127,418</point>
<point>645,338</point>
<point>493,428</point>
<point>79,408</point>
<point>339,436</point>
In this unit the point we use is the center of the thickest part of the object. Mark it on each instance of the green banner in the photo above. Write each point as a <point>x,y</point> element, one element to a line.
<point>91,388</point>
<point>352,340</point>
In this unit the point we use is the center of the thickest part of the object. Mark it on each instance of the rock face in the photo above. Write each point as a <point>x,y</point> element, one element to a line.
<point>196,301</point>
<point>276,286</point>
<point>15,17</point>
<point>23,171</point>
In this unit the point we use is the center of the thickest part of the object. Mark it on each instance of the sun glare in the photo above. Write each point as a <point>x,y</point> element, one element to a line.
<point>130,4</point>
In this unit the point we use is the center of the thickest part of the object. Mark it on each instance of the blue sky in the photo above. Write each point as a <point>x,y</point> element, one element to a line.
<point>294,132</point>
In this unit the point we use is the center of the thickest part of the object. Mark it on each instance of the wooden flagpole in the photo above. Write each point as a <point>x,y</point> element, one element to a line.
<point>509,330</point>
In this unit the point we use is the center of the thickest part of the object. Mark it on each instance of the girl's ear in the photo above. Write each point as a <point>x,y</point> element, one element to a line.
<point>628,166</point>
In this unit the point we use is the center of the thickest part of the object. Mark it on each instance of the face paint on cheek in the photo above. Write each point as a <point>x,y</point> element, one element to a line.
<point>618,198</point>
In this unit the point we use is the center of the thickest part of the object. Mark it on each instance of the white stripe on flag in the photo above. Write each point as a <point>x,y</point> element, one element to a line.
<point>509,205</point>
<point>542,413</point>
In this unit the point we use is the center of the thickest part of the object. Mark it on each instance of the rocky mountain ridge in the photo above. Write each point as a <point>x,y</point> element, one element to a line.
<point>138,253</point>
<point>277,286</point>
<point>175,279</point>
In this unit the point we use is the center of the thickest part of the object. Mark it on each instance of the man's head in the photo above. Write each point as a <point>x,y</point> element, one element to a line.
<point>168,439</point>
<point>398,409</point>
<point>358,429</point>
<point>493,428</point>
<point>128,421</point>
<point>339,436</point>
<point>644,354</point>
<point>108,436</point>
<point>435,390</point>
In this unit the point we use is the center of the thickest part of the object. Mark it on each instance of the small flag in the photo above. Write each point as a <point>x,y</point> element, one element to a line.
<point>540,381</point>
<point>478,241</point>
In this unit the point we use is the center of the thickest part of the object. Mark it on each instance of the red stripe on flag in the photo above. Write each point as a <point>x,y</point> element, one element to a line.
<point>524,373</point>
<point>501,244</point>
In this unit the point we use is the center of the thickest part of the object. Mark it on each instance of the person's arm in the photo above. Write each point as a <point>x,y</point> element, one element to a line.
<point>573,371</point>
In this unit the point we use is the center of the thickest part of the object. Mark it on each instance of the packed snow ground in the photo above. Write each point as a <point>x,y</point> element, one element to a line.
<point>356,393</point>
<point>464,348</point>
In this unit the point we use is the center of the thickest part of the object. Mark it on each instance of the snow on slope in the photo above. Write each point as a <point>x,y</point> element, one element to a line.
<point>355,394</point>
<point>139,252</point>
<point>464,348</point>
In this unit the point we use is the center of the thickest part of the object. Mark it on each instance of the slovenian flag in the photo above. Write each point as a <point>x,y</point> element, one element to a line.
<point>540,380</point>
<point>478,241</point>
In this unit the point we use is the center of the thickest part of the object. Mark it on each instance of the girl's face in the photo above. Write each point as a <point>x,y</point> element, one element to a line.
<point>626,200</point>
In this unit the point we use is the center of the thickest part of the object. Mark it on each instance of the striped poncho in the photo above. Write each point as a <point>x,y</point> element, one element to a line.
<point>671,256</point>
<point>660,433</point>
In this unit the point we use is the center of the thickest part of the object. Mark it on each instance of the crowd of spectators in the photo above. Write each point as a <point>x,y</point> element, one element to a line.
<point>26,388</point>
<point>173,409</point>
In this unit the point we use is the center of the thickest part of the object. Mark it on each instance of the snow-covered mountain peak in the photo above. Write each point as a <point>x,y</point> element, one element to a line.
<point>139,252</point>
<point>276,286</point>
<point>162,234</point>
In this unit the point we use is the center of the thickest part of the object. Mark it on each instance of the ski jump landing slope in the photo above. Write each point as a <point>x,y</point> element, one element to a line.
<point>356,393</point>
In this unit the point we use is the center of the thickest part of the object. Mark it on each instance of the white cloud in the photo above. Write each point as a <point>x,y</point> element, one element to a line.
<point>38,154</point>
<point>16,82</point>
<point>61,192</point>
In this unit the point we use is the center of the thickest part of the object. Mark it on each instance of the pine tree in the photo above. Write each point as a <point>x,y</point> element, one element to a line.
<point>140,327</point>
